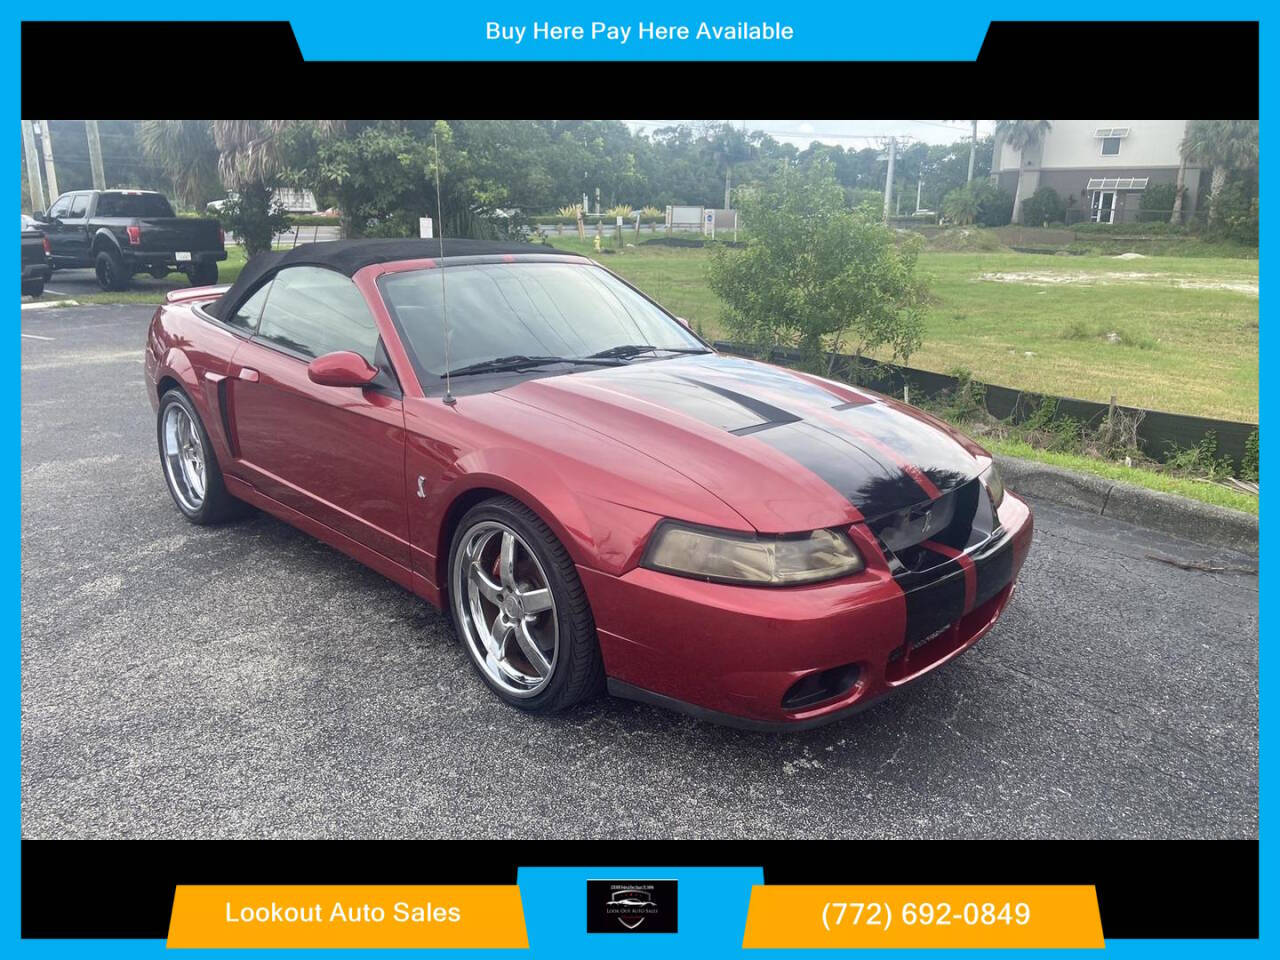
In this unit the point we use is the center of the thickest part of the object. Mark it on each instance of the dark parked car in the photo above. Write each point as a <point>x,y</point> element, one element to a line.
<point>36,265</point>
<point>124,232</point>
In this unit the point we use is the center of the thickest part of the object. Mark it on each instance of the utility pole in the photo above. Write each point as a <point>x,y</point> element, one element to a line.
<point>46,142</point>
<point>919,189</point>
<point>973,148</point>
<point>33,166</point>
<point>95,154</point>
<point>888,180</point>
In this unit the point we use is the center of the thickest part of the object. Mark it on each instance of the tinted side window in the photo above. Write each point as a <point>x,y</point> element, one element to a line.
<point>246,318</point>
<point>113,204</point>
<point>60,206</point>
<point>313,311</point>
<point>79,207</point>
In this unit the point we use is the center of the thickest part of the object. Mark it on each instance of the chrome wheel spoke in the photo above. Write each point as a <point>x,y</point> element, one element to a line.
<point>488,589</point>
<point>536,601</point>
<point>533,653</point>
<point>507,561</point>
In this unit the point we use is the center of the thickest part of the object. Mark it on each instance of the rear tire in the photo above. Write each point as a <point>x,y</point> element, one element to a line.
<point>499,611</point>
<point>190,466</point>
<point>109,266</point>
<point>204,273</point>
<point>33,288</point>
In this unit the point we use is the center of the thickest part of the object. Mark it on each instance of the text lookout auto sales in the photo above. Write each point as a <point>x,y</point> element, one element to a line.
<point>647,30</point>
<point>401,912</point>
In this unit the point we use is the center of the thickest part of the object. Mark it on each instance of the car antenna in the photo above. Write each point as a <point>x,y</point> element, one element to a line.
<point>449,398</point>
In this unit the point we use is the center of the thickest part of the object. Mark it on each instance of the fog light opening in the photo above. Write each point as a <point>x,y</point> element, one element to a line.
<point>816,688</point>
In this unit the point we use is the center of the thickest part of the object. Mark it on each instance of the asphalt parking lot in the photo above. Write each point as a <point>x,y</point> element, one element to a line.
<point>246,681</point>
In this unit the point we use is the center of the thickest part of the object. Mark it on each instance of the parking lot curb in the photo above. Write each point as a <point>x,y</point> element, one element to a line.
<point>1192,520</point>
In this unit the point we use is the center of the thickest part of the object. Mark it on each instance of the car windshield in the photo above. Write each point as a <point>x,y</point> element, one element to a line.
<point>133,205</point>
<point>530,308</point>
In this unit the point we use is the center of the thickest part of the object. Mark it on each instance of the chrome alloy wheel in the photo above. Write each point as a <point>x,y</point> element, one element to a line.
<point>184,460</point>
<point>504,604</point>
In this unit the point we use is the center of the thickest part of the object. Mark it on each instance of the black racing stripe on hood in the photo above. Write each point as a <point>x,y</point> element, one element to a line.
<point>871,483</point>
<point>767,412</point>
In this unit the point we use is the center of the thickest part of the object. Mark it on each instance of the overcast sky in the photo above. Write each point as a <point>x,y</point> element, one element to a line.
<point>847,133</point>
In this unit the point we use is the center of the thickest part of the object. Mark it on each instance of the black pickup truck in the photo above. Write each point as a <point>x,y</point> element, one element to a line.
<point>36,265</point>
<point>124,232</point>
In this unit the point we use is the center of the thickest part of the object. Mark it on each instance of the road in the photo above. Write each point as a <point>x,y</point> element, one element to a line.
<point>246,681</point>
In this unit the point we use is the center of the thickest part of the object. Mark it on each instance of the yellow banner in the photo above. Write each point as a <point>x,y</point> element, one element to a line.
<point>347,916</point>
<point>845,917</point>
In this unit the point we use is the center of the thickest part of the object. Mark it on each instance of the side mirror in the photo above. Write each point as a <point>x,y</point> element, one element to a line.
<point>37,215</point>
<point>343,368</point>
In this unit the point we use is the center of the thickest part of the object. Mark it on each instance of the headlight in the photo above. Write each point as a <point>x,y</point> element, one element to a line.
<point>731,557</point>
<point>995,484</point>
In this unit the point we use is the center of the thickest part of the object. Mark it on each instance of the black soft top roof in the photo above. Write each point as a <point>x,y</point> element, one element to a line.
<point>350,256</point>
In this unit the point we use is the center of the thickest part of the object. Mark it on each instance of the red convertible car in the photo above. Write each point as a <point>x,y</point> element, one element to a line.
<point>597,497</point>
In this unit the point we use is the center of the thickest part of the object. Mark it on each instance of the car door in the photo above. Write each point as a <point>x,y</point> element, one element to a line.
<point>74,231</point>
<point>335,454</point>
<point>58,245</point>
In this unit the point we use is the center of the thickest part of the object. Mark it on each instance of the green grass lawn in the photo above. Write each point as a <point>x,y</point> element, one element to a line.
<point>1165,339</point>
<point>1216,493</point>
<point>1154,331</point>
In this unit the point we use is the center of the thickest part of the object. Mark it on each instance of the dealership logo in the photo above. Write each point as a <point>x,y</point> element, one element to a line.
<point>631,906</point>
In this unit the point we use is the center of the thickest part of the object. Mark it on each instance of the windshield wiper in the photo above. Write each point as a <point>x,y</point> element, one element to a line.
<point>522,362</point>
<point>628,350</point>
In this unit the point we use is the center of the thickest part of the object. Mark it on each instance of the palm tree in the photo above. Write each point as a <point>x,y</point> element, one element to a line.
<point>249,162</point>
<point>1225,146</point>
<point>1025,136</point>
<point>185,150</point>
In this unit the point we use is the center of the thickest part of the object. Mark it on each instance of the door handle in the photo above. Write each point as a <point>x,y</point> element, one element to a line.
<point>248,373</point>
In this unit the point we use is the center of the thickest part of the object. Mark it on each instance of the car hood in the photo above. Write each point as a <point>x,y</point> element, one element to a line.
<point>786,450</point>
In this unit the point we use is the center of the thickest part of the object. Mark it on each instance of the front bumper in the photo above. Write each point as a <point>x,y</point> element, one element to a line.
<point>732,654</point>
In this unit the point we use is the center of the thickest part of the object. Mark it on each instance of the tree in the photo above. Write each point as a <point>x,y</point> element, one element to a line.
<point>185,151</point>
<point>818,276</point>
<point>729,146</point>
<point>1026,137</point>
<point>1226,147</point>
<point>250,164</point>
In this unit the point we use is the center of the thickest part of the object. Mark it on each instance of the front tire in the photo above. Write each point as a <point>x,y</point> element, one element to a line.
<point>520,609</point>
<point>109,266</point>
<point>190,466</point>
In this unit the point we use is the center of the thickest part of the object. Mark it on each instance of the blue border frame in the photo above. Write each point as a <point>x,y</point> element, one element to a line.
<point>713,900</point>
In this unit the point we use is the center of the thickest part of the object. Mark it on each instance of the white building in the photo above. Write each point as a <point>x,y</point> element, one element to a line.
<point>1099,167</point>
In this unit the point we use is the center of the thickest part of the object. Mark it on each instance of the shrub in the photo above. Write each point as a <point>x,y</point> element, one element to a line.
<point>995,206</point>
<point>254,215</point>
<point>818,276</point>
<point>1250,465</point>
<point>1042,207</point>
<point>1156,205</point>
<point>960,206</point>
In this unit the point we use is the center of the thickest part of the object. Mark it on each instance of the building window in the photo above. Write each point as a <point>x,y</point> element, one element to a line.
<point>1111,146</point>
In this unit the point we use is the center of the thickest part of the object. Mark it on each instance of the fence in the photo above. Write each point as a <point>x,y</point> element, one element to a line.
<point>1160,434</point>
